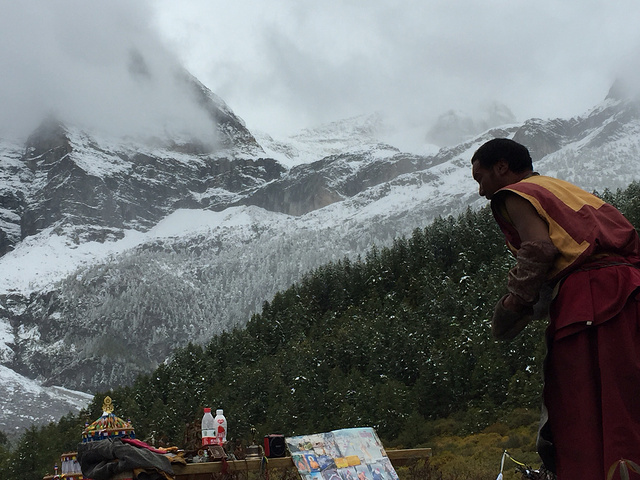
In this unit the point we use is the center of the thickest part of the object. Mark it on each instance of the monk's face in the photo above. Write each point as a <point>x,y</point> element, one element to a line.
<point>489,180</point>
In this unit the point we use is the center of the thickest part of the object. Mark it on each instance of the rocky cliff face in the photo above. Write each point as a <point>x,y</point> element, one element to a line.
<point>73,179</point>
<point>309,187</point>
<point>14,176</point>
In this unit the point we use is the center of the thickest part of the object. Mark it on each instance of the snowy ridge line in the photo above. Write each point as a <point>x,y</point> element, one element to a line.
<point>27,402</point>
<point>40,261</point>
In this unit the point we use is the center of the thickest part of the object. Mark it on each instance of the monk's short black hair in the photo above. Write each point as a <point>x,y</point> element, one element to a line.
<point>515,154</point>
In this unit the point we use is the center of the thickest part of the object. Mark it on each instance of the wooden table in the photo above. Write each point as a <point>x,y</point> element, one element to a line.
<point>203,471</point>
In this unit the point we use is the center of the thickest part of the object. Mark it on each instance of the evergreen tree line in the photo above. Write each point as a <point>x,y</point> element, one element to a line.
<point>398,340</point>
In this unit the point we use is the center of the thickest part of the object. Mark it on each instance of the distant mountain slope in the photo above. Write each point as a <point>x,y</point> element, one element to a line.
<point>117,251</point>
<point>372,133</point>
<point>25,401</point>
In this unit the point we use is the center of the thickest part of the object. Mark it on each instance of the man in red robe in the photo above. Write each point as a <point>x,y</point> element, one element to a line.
<point>583,256</point>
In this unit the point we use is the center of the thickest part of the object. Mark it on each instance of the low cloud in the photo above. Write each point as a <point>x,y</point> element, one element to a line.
<point>95,64</point>
<point>283,66</point>
<point>289,65</point>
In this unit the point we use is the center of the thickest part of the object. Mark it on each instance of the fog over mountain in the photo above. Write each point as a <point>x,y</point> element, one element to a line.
<point>106,70</point>
<point>285,66</point>
<point>453,127</point>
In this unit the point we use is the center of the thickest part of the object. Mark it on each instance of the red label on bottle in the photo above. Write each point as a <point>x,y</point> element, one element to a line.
<point>208,441</point>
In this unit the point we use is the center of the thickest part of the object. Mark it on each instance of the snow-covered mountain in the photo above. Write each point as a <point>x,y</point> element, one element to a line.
<point>350,135</point>
<point>25,401</point>
<point>116,251</point>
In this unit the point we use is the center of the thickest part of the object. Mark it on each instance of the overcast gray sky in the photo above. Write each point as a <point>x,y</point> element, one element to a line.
<point>283,65</point>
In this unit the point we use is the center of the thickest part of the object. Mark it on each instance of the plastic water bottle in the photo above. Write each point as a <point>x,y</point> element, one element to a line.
<point>208,428</point>
<point>221,427</point>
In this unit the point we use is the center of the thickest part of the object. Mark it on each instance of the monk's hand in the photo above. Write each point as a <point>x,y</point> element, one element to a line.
<point>526,281</point>
<point>509,318</point>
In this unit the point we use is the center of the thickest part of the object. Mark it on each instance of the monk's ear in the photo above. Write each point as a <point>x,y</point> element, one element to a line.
<point>501,166</point>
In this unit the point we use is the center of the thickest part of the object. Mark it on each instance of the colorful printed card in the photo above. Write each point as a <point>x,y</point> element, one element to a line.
<point>348,454</point>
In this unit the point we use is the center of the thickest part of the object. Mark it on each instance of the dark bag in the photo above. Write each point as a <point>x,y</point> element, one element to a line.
<point>106,458</point>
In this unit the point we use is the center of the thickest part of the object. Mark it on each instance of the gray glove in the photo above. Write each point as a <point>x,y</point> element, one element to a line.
<point>507,324</point>
<point>534,260</point>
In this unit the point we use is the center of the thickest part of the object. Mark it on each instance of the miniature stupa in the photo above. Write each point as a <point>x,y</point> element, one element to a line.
<point>107,426</point>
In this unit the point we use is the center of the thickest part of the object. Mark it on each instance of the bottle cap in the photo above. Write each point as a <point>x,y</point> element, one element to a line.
<point>207,410</point>
<point>219,412</point>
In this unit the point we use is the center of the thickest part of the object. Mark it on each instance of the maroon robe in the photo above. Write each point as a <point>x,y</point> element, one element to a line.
<point>592,369</point>
<point>592,374</point>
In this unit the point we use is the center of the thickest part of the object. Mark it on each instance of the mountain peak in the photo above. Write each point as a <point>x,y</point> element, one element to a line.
<point>454,126</point>
<point>623,89</point>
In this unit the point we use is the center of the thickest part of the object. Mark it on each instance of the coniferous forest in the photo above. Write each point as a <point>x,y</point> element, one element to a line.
<point>399,340</point>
